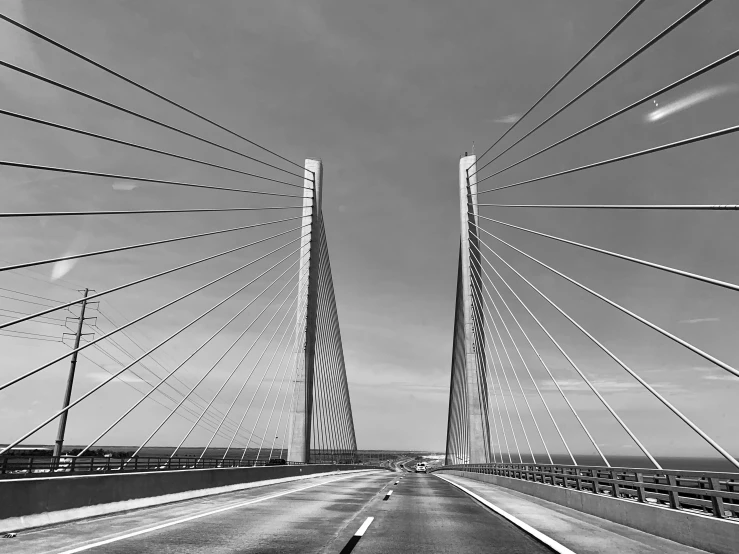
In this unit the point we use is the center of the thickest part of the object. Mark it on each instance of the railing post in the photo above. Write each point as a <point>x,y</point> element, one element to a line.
<point>299,438</point>
<point>717,502</point>
<point>615,490</point>
<point>578,480</point>
<point>640,487</point>
<point>673,495</point>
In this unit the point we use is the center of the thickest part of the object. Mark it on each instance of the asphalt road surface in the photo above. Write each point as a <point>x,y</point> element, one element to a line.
<point>321,515</point>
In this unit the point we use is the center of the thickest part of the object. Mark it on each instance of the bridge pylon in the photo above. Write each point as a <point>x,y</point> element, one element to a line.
<point>468,431</point>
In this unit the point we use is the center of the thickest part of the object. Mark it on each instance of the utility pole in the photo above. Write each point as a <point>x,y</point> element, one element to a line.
<point>70,381</point>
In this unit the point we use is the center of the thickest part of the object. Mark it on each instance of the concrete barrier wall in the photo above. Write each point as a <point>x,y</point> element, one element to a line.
<point>692,529</point>
<point>44,500</point>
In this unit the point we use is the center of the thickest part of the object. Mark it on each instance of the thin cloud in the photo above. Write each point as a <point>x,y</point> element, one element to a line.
<point>124,186</point>
<point>100,376</point>
<point>688,101</point>
<point>700,320</point>
<point>508,119</point>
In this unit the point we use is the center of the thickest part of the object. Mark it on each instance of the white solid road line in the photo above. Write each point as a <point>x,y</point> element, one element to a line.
<point>367,522</point>
<point>550,542</point>
<point>197,516</point>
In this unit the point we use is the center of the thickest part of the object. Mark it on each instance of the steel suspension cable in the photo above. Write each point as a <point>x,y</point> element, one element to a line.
<point>110,71</point>
<point>199,348</point>
<point>546,367</point>
<point>563,77</point>
<point>676,207</point>
<point>486,348</point>
<point>646,98</point>
<point>70,171</point>
<point>290,349</point>
<point>682,19</point>
<point>205,424</point>
<point>641,381</point>
<point>103,383</point>
<point>241,422</point>
<point>528,371</point>
<point>107,138</point>
<point>140,245</point>
<point>587,381</point>
<point>668,269</point>
<point>166,371</point>
<point>664,332</point>
<point>515,374</point>
<point>132,322</point>
<point>149,278</point>
<point>213,366</point>
<point>269,366</point>
<point>5,215</point>
<point>282,409</point>
<point>236,368</point>
<point>145,380</point>
<point>645,152</point>
<point>138,115</point>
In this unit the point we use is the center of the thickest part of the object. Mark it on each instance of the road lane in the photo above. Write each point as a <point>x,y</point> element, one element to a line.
<point>301,521</point>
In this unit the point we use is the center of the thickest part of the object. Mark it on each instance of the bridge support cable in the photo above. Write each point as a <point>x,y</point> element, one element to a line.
<point>645,152</point>
<point>7,215</point>
<point>253,370</point>
<point>148,90</point>
<point>641,381</point>
<point>546,367</point>
<point>194,402</point>
<point>144,279</point>
<point>528,371</point>
<point>587,381</point>
<point>486,352</point>
<point>197,398</point>
<point>149,351</point>
<point>209,371</point>
<point>628,312</point>
<point>625,109</point>
<point>138,115</point>
<point>118,177</point>
<point>137,146</point>
<point>288,394</point>
<point>515,374</point>
<point>108,380</point>
<point>285,378</point>
<point>206,424</point>
<point>567,73</point>
<point>140,245</point>
<point>156,310</point>
<point>679,21</point>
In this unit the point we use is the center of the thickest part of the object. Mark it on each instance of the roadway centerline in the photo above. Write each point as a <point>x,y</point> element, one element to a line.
<point>387,495</point>
<point>548,541</point>
<point>358,535</point>
<point>198,516</point>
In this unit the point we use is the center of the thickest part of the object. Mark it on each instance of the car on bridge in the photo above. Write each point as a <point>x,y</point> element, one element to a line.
<point>421,467</point>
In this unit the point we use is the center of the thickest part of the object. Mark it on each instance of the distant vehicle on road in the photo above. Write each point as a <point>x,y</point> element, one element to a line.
<point>277,462</point>
<point>421,467</point>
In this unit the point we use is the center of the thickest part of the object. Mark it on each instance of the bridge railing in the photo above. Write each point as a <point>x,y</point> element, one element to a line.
<point>709,493</point>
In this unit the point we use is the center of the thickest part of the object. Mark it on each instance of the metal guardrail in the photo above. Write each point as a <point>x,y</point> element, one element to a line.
<point>708,493</point>
<point>20,467</point>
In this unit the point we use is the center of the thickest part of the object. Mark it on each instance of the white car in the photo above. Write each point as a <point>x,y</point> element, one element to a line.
<point>421,467</point>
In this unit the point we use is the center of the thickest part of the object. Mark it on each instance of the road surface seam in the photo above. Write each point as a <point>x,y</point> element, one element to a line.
<point>548,541</point>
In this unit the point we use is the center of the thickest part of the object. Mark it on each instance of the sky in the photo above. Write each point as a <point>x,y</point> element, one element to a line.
<point>389,95</point>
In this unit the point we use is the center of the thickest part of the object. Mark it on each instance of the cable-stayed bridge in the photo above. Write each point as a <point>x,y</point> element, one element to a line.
<point>234,359</point>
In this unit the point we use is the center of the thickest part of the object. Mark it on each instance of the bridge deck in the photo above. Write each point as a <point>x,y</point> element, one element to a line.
<point>321,514</point>
<point>580,532</point>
